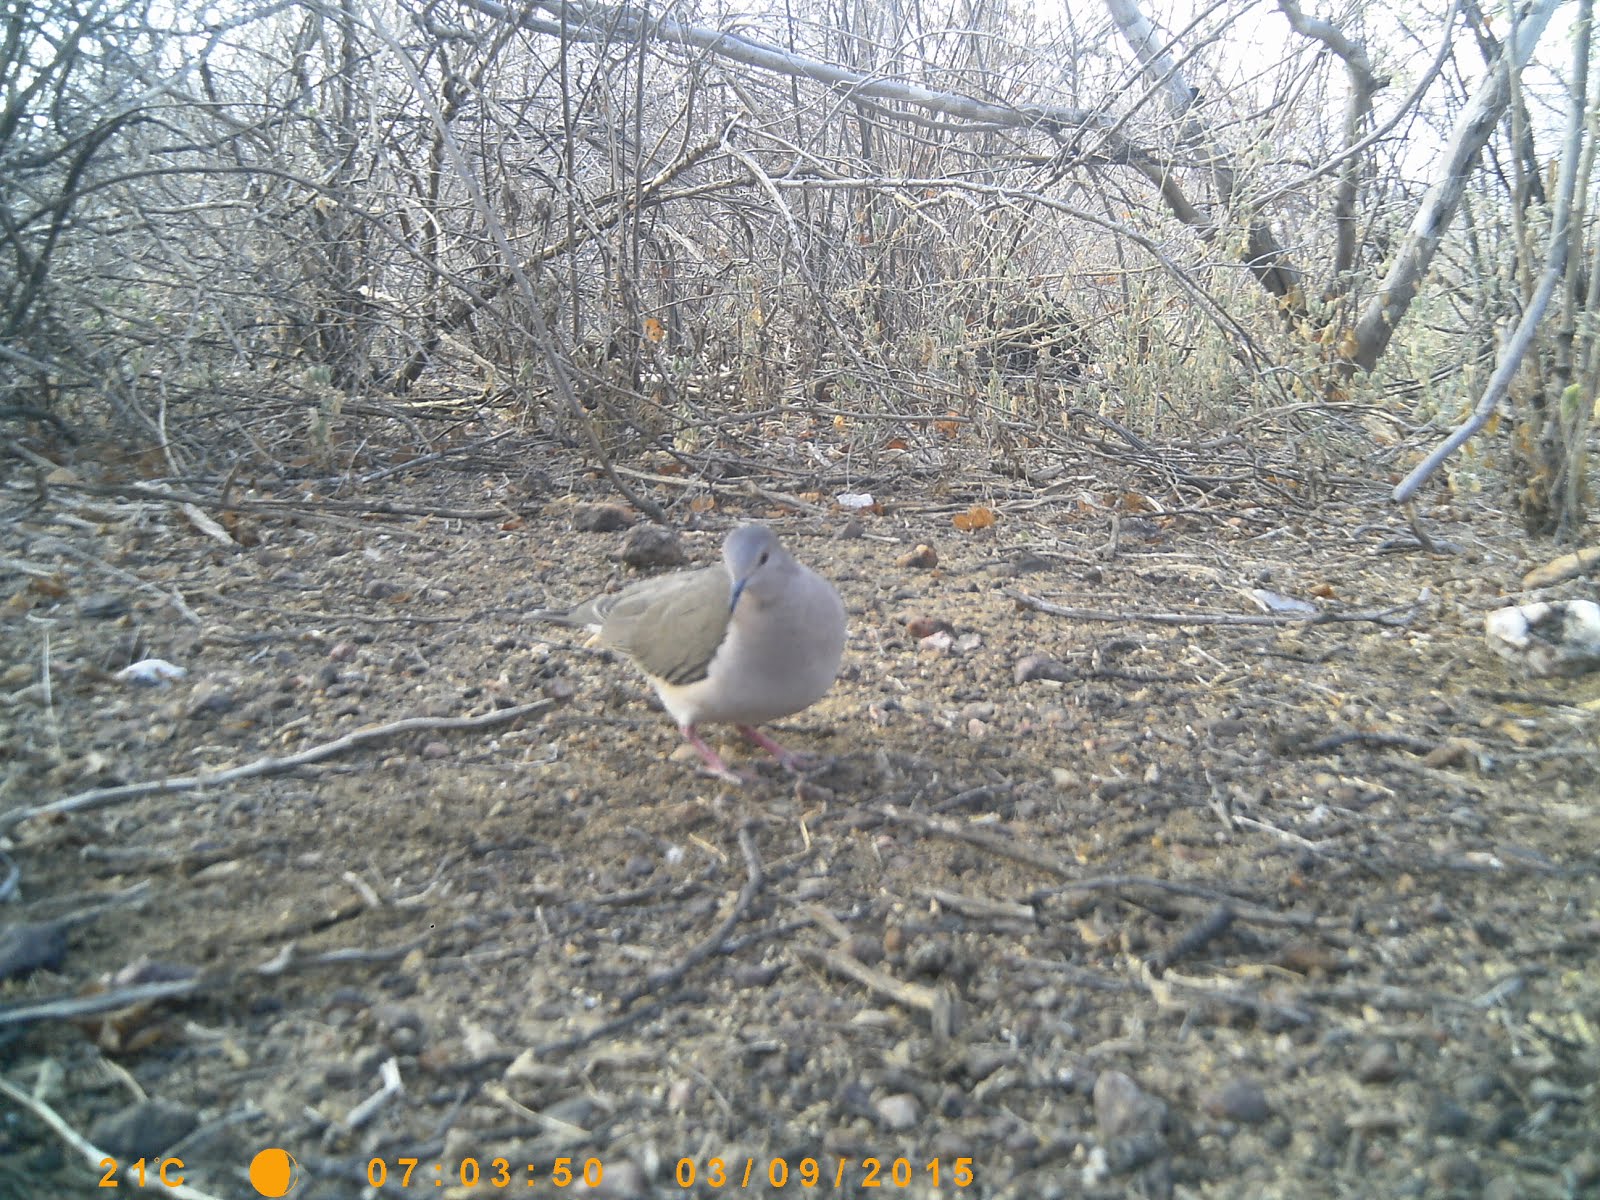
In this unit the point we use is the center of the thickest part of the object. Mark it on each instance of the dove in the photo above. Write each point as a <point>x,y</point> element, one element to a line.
<point>757,637</point>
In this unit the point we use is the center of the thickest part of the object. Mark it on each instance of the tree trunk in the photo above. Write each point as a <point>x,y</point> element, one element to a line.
<point>1386,309</point>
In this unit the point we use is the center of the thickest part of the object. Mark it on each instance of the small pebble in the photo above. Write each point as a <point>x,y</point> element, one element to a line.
<point>1448,1118</point>
<point>1584,1168</point>
<point>1454,1173</point>
<point>151,672</point>
<point>898,1112</point>
<point>1039,666</point>
<point>923,626</point>
<point>1503,1125</point>
<point>103,605</point>
<point>984,1061</point>
<point>1026,560</point>
<point>814,887</point>
<point>1531,1066</point>
<point>652,546</point>
<point>865,947</point>
<point>679,1093</point>
<point>1477,1087</point>
<point>600,518</point>
<point>756,975</point>
<point>210,699</point>
<point>928,957</point>
<point>1546,1091</point>
<point>402,1026</point>
<point>26,947</point>
<point>622,1180</point>
<point>1122,1107</point>
<point>923,558</point>
<point>1241,1099</point>
<point>1379,1063</point>
<point>143,1130</point>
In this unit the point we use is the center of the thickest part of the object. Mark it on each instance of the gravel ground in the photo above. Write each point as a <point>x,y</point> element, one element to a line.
<point>1150,897</point>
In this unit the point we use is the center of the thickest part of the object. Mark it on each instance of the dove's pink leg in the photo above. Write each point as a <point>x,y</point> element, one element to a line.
<point>789,759</point>
<point>713,763</point>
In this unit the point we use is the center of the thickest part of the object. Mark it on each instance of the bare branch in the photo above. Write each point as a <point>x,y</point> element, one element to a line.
<point>1555,265</point>
<point>1477,121</point>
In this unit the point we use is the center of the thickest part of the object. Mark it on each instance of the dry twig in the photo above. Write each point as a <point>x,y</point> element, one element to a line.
<point>270,765</point>
<point>1194,939</point>
<point>1380,616</point>
<point>88,1151</point>
<point>936,1002</point>
<point>1007,848</point>
<point>69,1008</point>
<point>391,1087</point>
<point>755,879</point>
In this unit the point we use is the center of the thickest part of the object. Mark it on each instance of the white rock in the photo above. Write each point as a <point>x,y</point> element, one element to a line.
<point>151,672</point>
<point>1561,638</point>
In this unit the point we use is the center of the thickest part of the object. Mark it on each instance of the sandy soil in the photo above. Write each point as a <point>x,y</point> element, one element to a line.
<point>1122,903</point>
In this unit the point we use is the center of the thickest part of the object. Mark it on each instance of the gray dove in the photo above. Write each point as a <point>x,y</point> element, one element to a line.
<point>756,637</point>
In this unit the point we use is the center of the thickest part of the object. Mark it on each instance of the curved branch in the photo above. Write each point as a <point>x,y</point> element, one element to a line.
<point>594,22</point>
<point>1555,265</point>
<point>1400,286</point>
<point>1364,84</point>
<point>1264,257</point>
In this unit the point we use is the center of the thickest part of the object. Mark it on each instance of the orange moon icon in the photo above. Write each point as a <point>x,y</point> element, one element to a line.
<point>272,1172</point>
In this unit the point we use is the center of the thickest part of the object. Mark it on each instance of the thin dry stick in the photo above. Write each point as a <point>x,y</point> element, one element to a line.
<point>392,1086</point>
<point>1365,737</point>
<point>289,958</point>
<point>73,1007</point>
<point>1194,939</point>
<point>911,995</point>
<point>552,1051</point>
<point>1382,616</point>
<point>1170,990</point>
<point>936,1002</point>
<point>88,1151</point>
<point>70,1008</point>
<point>1004,847</point>
<point>100,797</point>
<point>1072,882</point>
<point>565,1132</point>
<point>56,545</point>
<point>51,720</point>
<point>982,906</point>
<point>387,508</point>
<point>755,879</point>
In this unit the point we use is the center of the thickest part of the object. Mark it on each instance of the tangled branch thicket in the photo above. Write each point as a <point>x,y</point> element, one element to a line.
<point>234,236</point>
